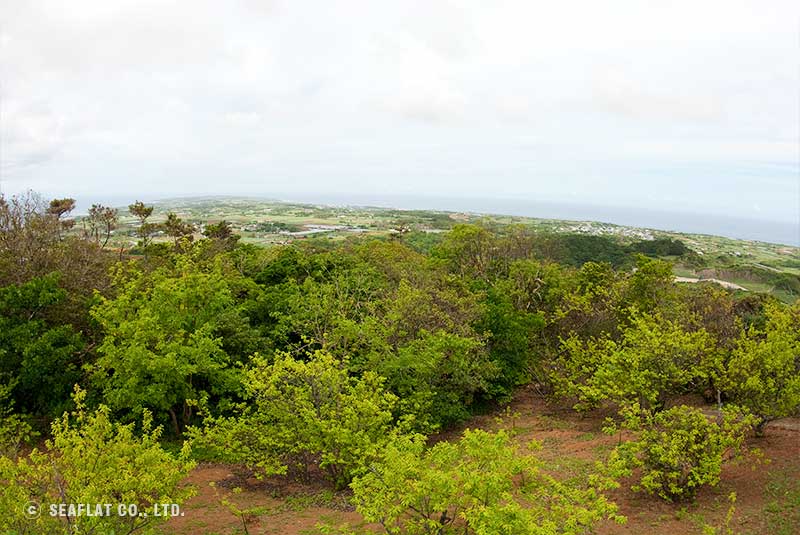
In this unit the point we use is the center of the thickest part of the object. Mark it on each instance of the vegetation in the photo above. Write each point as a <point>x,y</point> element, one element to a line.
<point>341,356</point>
<point>91,460</point>
<point>481,484</point>
<point>304,413</point>
<point>680,449</point>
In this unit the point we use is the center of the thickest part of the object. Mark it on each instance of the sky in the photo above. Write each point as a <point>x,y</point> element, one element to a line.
<point>689,106</point>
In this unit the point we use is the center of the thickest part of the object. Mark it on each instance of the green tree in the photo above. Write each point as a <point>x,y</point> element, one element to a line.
<point>438,375</point>
<point>40,359</point>
<point>59,208</point>
<point>651,286</point>
<point>145,229</point>
<point>221,236</point>
<point>163,345</point>
<point>468,250</point>
<point>177,228</point>
<point>102,221</point>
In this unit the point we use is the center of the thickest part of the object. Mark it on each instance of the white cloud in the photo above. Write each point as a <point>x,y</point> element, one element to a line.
<point>532,98</point>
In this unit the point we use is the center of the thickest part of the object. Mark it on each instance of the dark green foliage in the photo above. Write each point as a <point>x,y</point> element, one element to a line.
<point>39,360</point>
<point>660,247</point>
<point>484,483</point>
<point>577,249</point>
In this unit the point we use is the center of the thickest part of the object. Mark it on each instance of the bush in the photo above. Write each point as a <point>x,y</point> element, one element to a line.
<point>165,337</point>
<point>304,413</point>
<point>680,449</point>
<point>763,373</point>
<point>481,484</point>
<point>655,358</point>
<point>91,460</point>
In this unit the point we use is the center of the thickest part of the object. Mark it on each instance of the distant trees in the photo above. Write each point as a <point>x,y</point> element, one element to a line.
<point>59,208</point>
<point>144,230</point>
<point>32,244</point>
<point>178,229</point>
<point>222,234</point>
<point>661,247</point>
<point>102,221</point>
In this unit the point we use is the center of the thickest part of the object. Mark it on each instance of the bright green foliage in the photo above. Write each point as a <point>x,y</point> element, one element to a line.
<point>651,285</point>
<point>468,250</point>
<point>162,345</point>
<point>680,449</point>
<point>589,307</point>
<point>763,373</point>
<point>92,460</point>
<point>302,413</point>
<point>482,484</point>
<point>39,360</point>
<point>655,358</point>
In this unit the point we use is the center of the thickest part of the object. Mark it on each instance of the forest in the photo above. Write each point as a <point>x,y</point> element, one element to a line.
<point>360,363</point>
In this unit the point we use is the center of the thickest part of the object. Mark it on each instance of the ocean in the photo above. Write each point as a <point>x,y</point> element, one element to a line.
<point>786,233</point>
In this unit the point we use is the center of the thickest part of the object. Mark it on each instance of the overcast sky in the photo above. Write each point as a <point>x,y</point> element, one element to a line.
<point>684,105</point>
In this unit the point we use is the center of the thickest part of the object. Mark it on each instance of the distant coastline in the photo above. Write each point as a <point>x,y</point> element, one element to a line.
<point>776,232</point>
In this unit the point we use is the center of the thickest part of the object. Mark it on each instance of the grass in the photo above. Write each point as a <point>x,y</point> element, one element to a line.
<point>782,511</point>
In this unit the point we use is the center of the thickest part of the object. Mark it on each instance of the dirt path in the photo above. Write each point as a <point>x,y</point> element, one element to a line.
<point>722,283</point>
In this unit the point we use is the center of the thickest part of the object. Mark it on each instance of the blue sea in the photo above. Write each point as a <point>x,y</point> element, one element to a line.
<point>786,233</point>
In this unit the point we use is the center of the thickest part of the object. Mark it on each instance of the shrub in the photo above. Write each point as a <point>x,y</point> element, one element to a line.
<point>680,449</point>
<point>763,373</point>
<point>655,358</point>
<point>481,484</point>
<point>304,413</point>
<point>91,460</point>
